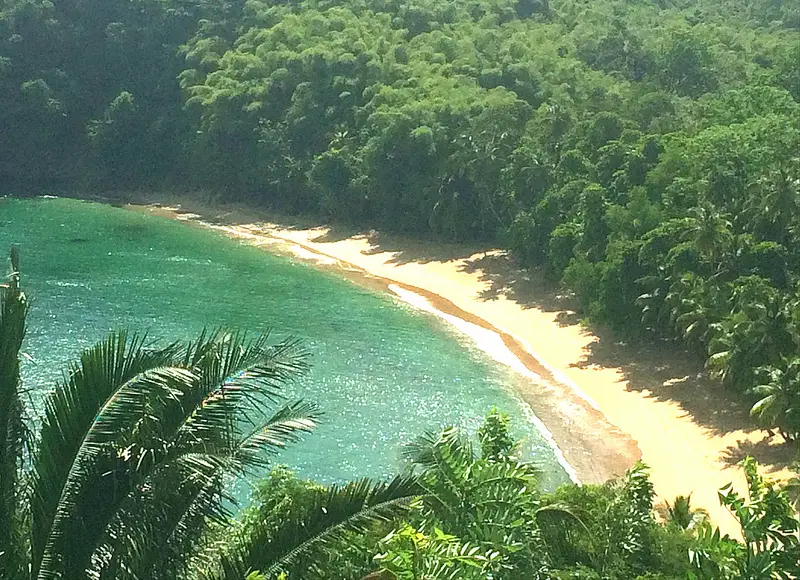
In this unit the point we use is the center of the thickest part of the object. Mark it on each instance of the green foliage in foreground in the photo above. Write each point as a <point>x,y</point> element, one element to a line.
<point>133,448</point>
<point>13,436</point>
<point>127,480</point>
<point>483,517</point>
<point>771,532</point>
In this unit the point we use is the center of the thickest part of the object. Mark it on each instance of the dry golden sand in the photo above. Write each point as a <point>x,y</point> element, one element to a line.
<point>605,403</point>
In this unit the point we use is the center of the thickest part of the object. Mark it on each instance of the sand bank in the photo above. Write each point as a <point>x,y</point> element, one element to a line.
<point>605,403</point>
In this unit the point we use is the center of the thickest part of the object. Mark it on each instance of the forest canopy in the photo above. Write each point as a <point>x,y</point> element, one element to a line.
<point>646,153</point>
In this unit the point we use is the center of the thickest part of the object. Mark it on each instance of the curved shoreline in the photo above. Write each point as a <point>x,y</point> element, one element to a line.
<point>605,403</point>
<point>569,419</point>
<point>419,302</point>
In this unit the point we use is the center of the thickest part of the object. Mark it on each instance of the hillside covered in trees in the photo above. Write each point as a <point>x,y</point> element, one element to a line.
<point>644,152</point>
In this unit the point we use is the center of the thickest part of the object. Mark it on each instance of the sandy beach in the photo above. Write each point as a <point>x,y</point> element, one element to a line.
<point>605,403</point>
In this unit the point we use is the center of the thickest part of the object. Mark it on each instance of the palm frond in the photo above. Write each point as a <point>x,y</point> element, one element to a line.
<point>206,459</point>
<point>241,381</point>
<point>681,512</point>
<point>70,412</point>
<point>285,426</point>
<point>122,445</point>
<point>251,372</point>
<point>447,458</point>
<point>559,526</point>
<point>13,311</point>
<point>158,525</point>
<point>452,442</point>
<point>207,416</point>
<point>421,450</point>
<point>135,412</point>
<point>310,530</point>
<point>150,535</point>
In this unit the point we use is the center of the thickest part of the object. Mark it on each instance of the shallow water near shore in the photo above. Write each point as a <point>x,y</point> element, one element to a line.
<point>382,372</point>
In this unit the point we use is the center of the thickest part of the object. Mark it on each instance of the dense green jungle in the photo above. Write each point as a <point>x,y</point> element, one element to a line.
<point>643,153</point>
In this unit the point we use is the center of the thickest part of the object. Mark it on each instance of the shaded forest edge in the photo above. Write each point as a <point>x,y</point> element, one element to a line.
<point>645,154</point>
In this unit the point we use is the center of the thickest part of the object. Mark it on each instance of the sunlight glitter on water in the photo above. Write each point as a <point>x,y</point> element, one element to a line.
<point>492,344</point>
<point>383,372</point>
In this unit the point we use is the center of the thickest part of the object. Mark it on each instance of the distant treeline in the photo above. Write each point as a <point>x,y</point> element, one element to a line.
<point>647,153</point>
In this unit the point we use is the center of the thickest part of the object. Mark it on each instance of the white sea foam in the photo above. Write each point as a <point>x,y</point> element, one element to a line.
<point>492,344</point>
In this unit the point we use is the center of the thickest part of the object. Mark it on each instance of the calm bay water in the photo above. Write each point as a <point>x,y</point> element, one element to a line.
<point>382,372</point>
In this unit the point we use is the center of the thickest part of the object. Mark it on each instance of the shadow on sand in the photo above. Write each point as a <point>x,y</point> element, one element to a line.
<point>658,368</point>
<point>664,371</point>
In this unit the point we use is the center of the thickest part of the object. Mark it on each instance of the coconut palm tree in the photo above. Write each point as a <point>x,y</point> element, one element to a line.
<point>691,299</point>
<point>681,513</point>
<point>756,332</point>
<point>710,232</point>
<point>778,404</point>
<point>135,446</point>
<point>13,308</point>
<point>774,201</point>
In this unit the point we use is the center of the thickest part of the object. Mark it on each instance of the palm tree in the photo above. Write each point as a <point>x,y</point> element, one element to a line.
<point>754,334</point>
<point>778,404</point>
<point>681,513</point>
<point>710,232</point>
<point>136,443</point>
<point>137,470</point>
<point>310,532</point>
<point>13,308</point>
<point>489,501</point>
<point>690,300</point>
<point>134,447</point>
<point>775,200</point>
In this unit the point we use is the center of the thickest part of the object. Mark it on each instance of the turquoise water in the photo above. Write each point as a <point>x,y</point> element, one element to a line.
<point>382,372</point>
